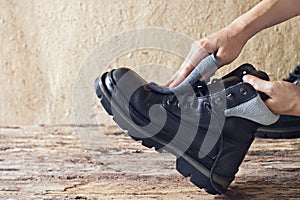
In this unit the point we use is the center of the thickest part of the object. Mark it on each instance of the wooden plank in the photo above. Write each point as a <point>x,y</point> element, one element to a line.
<point>57,162</point>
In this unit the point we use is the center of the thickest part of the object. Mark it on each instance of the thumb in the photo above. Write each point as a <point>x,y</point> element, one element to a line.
<point>259,84</point>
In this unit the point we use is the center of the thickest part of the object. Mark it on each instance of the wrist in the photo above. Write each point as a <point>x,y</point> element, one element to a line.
<point>256,19</point>
<point>242,28</point>
<point>239,31</point>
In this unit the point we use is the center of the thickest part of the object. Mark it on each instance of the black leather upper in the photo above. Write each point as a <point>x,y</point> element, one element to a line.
<point>195,110</point>
<point>193,103</point>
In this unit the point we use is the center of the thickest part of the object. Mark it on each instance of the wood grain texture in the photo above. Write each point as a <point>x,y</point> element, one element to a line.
<point>57,162</point>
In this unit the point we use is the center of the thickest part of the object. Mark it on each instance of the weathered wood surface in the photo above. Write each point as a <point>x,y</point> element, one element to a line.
<point>55,162</point>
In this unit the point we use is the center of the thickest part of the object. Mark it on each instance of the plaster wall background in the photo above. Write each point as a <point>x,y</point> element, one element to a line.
<point>44,44</point>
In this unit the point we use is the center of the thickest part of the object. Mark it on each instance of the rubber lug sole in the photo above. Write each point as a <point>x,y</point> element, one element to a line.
<point>278,133</point>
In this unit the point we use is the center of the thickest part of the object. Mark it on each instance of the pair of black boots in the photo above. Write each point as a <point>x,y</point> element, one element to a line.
<point>208,127</point>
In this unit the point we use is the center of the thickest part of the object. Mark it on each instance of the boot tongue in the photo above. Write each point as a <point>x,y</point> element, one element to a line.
<point>229,81</point>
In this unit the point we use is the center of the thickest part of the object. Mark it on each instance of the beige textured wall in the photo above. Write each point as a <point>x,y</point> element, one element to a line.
<point>45,42</point>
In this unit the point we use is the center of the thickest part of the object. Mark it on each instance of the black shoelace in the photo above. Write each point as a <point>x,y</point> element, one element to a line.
<point>218,156</point>
<point>200,91</point>
<point>184,101</point>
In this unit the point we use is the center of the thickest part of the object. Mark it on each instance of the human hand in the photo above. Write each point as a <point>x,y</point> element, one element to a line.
<point>284,96</point>
<point>226,44</point>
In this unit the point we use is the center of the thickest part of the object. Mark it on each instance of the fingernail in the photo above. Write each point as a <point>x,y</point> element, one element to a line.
<point>246,78</point>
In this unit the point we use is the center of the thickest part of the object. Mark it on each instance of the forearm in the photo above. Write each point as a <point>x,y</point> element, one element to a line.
<point>266,14</point>
<point>227,43</point>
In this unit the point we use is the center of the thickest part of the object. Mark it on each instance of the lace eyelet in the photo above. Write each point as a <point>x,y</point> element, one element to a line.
<point>229,96</point>
<point>182,105</point>
<point>168,102</point>
<point>171,101</point>
<point>243,91</point>
<point>206,104</point>
<point>217,101</point>
<point>194,105</point>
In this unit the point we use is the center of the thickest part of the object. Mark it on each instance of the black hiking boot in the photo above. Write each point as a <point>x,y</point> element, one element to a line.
<point>209,127</point>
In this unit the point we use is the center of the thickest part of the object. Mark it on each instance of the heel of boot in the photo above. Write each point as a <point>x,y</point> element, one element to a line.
<point>196,177</point>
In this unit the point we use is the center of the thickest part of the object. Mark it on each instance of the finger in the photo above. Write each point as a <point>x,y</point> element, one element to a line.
<point>196,54</point>
<point>258,84</point>
<point>181,69</point>
<point>167,84</point>
<point>177,80</point>
<point>182,74</point>
<point>270,103</point>
<point>219,56</point>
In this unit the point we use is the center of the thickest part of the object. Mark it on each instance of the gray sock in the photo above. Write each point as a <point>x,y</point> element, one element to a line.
<point>254,110</point>
<point>204,69</point>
